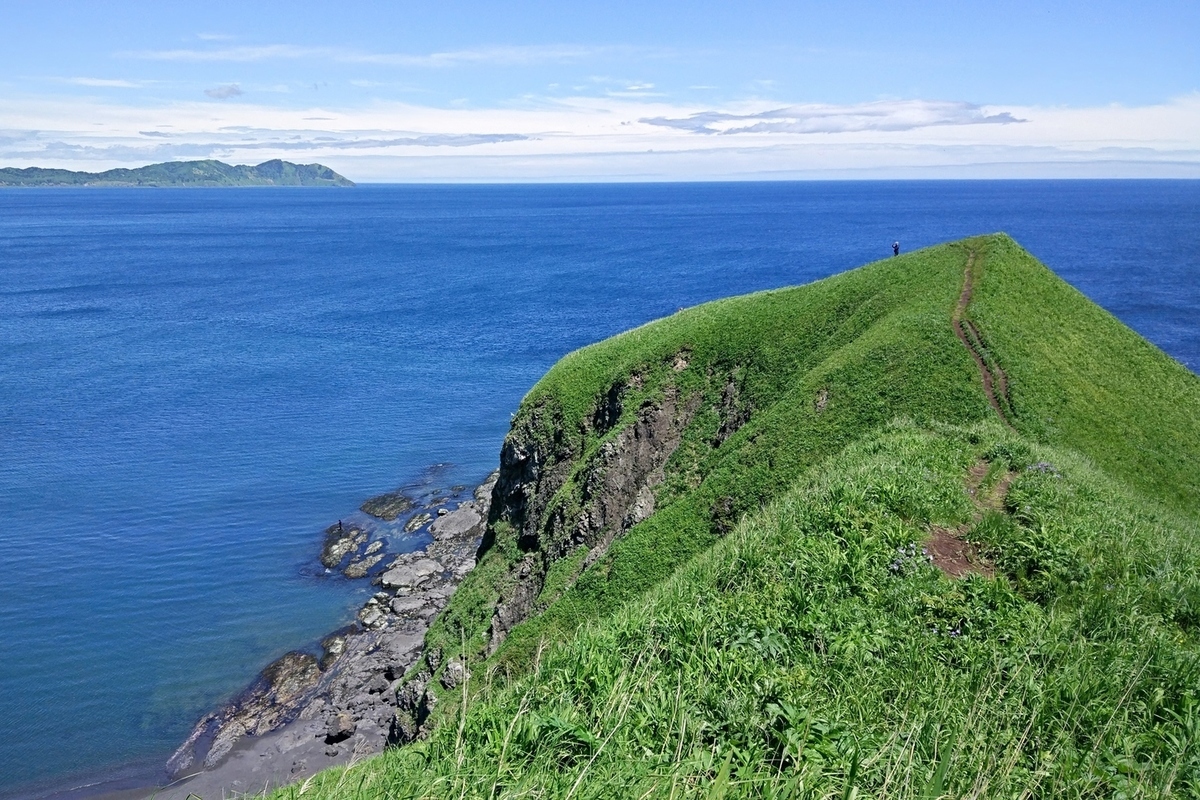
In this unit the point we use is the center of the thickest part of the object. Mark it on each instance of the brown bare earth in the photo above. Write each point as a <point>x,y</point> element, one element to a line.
<point>954,555</point>
<point>948,546</point>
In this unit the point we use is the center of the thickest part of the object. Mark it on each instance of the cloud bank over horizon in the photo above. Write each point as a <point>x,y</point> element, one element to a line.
<point>616,138</point>
<point>698,90</point>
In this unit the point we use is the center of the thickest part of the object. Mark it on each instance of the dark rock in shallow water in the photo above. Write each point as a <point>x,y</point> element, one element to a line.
<point>360,567</point>
<point>418,521</point>
<point>271,701</point>
<point>333,646</point>
<point>388,506</point>
<point>341,541</point>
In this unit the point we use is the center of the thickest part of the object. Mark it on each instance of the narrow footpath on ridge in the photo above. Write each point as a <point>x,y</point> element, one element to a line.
<point>995,382</point>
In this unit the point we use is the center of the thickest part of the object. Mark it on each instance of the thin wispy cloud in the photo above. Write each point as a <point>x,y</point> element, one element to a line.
<point>104,83</point>
<point>893,115</point>
<point>224,92</point>
<point>518,55</point>
<point>241,53</point>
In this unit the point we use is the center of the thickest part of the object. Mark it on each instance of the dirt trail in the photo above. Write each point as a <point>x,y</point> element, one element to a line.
<point>948,547</point>
<point>990,380</point>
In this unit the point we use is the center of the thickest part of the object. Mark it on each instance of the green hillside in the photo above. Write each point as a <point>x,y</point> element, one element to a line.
<point>182,173</point>
<point>926,528</point>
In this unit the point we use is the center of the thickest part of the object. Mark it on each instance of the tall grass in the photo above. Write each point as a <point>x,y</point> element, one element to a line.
<point>793,659</point>
<point>814,651</point>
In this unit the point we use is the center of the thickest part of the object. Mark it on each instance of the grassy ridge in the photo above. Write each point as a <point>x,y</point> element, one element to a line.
<point>797,657</point>
<point>813,651</point>
<point>875,341</point>
<point>1081,378</point>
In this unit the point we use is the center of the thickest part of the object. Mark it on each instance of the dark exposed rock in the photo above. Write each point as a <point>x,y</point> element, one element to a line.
<point>341,541</point>
<point>361,566</point>
<point>455,674</point>
<point>408,575</point>
<point>535,461</point>
<point>457,523</point>
<point>388,506</point>
<point>373,615</point>
<point>608,410</point>
<point>483,492</point>
<point>734,411</point>
<point>617,490</point>
<point>340,728</point>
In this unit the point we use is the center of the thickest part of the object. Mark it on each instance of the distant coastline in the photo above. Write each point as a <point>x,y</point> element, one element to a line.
<point>208,173</point>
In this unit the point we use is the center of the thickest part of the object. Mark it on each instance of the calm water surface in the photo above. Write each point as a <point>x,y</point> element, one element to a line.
<point>194,383</point>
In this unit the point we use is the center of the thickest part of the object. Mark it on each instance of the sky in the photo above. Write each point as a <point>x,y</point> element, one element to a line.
<point>615,91</point>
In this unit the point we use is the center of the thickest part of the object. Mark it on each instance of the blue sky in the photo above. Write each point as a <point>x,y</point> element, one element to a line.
<point>620,90</point>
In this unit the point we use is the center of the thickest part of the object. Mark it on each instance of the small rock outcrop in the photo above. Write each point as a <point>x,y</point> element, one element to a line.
<point>274,699</point>
<point>341,541</point>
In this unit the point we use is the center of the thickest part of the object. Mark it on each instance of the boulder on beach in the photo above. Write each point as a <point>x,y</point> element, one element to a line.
<point>457,523</point>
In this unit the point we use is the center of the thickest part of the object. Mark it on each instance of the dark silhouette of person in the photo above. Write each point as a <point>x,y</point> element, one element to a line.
<point>339,526</point>
<point>895,248</point>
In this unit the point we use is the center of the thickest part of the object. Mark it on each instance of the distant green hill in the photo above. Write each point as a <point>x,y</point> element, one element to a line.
<point>928,528</point>
<point>182,173</point>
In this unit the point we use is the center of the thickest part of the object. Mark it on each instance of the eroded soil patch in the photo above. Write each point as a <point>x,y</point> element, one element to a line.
<point>954,555</point>
<point>948,547</point>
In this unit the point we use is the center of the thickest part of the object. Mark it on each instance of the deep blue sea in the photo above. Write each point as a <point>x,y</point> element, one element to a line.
<point>194,383</point>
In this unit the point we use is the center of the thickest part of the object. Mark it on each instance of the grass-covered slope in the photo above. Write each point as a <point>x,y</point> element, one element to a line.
<point>206,173</point>
<point>811,369</point>
<point>815,652</point>
<point>810,649</point>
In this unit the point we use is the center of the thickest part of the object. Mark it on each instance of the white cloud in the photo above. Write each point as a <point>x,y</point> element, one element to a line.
<point>240,53</point>
<point>499,55</point>
<point>104,83</point>
<point>607,138</point>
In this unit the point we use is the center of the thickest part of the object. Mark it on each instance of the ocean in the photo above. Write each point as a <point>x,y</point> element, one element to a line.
<point>195,383</point>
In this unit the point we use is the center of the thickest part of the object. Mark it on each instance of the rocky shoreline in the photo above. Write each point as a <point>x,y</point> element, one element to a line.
<point>306,712</point>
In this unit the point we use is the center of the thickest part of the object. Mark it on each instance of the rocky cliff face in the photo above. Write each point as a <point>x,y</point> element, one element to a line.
<point>562,487</point>
<point>556,497</point>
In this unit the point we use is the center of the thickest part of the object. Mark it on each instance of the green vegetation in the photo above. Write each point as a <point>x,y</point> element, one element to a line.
<point>181,173</point>
<point>775,628</point>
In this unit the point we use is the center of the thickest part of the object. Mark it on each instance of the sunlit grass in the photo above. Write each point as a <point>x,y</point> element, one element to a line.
<point>812,652</point>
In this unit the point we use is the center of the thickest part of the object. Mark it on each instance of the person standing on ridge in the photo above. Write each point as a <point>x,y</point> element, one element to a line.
<point>895,249</point>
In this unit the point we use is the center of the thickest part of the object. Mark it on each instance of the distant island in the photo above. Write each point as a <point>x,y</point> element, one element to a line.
<point>182,173</point>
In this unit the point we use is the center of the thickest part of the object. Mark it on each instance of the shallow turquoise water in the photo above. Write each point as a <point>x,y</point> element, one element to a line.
<point>194,383</point>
